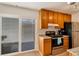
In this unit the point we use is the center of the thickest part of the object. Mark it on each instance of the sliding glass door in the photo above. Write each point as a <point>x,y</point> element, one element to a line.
<point>28,34</point>
<point>16,35</point>
<point>10,36</point>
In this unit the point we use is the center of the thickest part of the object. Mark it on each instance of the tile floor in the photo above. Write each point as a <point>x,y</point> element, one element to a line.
<point>31,53</point>
<point>36,53</point>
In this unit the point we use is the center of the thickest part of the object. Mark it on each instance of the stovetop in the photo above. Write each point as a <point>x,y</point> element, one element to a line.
<point>56,36</point>
<point>52,34</point>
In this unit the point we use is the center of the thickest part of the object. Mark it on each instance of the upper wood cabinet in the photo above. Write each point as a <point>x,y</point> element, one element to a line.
<point>44,16</point>
<point>47,16</point>
<point>55,18</point>
<point>61,20</point>
<point>67,18</point>
<point>51,16</point>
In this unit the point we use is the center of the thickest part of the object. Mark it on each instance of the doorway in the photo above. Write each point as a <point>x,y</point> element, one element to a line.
<point>16,35</point>
<point>28,34</point>
<point>9,36</point>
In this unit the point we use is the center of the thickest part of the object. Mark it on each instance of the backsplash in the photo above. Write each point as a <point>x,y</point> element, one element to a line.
<point>42,31</point>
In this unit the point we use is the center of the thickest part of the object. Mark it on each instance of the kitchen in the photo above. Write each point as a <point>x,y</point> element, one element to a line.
<point>55,31</point>
<point>60,37</point>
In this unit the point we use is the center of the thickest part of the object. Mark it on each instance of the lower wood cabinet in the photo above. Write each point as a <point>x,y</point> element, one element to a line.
<point>66,43</point>
<point>45,46</point>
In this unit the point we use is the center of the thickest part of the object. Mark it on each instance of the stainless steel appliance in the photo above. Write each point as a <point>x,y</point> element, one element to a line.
<point>57,40</point>
<point>68,31</point>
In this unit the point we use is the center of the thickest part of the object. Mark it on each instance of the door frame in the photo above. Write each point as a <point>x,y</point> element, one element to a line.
<point>0,32</point>
<point>20,33</point>
<point>34,32</point>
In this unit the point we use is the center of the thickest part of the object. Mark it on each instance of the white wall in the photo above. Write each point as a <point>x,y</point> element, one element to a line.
<point>20,13</point>
<point>25,13</point>
<point>4,9</point>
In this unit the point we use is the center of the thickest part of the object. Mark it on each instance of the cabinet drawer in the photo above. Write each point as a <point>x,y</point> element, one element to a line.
<point>47,40</point>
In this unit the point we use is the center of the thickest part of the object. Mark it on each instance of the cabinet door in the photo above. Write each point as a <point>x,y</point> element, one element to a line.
<point>40,43</point>
<point>47,47</point>
<point>60,20</point>
<point>67,18</point>
<point>55,18</point>
<point>51,17</point>
<point>66,43</point>
<point>44,19</point>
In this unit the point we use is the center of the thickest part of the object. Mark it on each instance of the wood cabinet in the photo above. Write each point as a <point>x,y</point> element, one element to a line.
<point>51,17</point>
<point>67,18</point>
<point>66,43</point>
<point>55,18</point>
<point>60,20</point>
<point>44,18</point>
<point>45,46</point>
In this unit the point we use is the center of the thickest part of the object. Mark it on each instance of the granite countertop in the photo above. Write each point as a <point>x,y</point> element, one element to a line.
<point>74,51</point>
<point>44,36</point>
<point>65,36</point>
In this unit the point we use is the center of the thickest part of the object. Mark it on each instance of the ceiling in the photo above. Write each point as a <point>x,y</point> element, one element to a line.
<point>57,6</point>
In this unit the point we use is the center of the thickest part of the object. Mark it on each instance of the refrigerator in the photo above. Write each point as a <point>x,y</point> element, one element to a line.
<point>68,30</point>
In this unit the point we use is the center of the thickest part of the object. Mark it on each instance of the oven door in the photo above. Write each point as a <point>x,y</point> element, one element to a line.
<point>57,42</point>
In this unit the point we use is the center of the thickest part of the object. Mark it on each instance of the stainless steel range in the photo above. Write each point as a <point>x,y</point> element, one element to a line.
<point>57,40</point>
